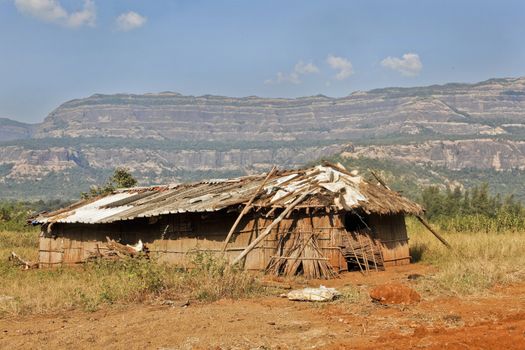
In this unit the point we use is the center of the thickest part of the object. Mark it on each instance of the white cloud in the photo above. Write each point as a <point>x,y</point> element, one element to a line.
<point>130,20</point>
<point>343,65</point>
<point>409,64</point>
<point>53,12</point>
<point>305,68</point>
<point>294,76</point>
<point>87,16</point>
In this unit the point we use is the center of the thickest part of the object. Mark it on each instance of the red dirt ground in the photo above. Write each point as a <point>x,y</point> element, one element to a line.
<point>491,322</point>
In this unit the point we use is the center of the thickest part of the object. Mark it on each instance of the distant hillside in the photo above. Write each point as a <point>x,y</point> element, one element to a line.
<point>448,130</point>
<point>493,107</point>
<point>13,130</point>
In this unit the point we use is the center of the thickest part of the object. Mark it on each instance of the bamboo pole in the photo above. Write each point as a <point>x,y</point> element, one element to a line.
<point>372,246</point>
<point>267,230</point>
<point>355,255</point>
<point>363,252</point>
<point>379,179</point>
<point>246,208</point>
<point>301,250</point>
<point>438,236</point>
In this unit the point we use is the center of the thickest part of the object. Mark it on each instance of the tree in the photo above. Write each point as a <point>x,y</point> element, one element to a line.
<point>434,201</point>
<point>121,178</point>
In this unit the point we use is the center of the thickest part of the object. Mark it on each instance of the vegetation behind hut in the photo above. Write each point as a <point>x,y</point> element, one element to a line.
<point>473,210</point>
<point>121,178</point>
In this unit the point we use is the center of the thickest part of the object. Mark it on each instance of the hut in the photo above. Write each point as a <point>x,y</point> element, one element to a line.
<point>317,221</point>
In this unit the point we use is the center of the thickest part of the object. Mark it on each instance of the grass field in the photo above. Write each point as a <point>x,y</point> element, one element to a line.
<point>477,262</point>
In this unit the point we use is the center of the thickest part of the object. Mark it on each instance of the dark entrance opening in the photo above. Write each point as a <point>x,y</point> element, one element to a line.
<point>355,222</point>
<point>359,248</point>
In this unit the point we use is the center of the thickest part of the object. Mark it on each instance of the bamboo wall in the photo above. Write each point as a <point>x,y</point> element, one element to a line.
<point>391,231</point>
<point>173,238</point>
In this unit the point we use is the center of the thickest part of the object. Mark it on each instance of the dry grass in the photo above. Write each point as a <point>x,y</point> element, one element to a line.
<point>23,243</point>
<point>104,283</point>
<point>477,262</point>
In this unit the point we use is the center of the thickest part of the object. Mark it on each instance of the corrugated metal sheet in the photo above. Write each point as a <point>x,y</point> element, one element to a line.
<point>95,211</point>
<point>330,185</point>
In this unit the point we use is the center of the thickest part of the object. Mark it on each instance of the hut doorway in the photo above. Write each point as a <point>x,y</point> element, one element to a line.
<point>361,251</point>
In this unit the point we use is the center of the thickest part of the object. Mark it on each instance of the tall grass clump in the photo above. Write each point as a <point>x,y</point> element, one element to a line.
<point>477,261</point>
<point>85,287</point>
<point>213,278</point>
<point>100,283</point>
<point>23,243</point>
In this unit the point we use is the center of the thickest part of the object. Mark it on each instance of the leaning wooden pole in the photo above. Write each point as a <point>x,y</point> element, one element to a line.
<point>379,179</point>
<point>438,236</point>
<point>419,217</point>
<point>246,208</point>
<point>268,229</point>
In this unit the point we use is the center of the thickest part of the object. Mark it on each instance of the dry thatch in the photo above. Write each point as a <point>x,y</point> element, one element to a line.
<point>330,186</point>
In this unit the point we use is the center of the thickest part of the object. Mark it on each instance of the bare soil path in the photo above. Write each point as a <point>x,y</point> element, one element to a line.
<point>496,321</point>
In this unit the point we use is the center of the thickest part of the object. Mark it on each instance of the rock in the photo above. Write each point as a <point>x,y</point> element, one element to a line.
<point>394,293</point>
<point>452,318</point>
<point>414,276</point>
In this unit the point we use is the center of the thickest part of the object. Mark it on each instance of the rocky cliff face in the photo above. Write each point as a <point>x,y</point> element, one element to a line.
<point>171,137</point>
<point>153,165</point>
<point>493,107</point>
<point>453,155</point>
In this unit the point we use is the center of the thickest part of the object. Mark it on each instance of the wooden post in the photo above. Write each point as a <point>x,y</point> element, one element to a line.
<point>379,179</point>
<point>438,236</point>
<point>267,230</point>
<point>246,208</point>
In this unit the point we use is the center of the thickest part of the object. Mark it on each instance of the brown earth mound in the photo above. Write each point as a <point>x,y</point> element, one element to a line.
<point>394,293</point>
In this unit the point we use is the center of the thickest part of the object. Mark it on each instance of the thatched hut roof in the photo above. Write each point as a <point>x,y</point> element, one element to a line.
<point>329,186</point>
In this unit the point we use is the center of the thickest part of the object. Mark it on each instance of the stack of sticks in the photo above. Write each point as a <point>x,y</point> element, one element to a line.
<point>301,257</point>
<point>115,251</point>
<point>361,250</point>
<point>25,264</point>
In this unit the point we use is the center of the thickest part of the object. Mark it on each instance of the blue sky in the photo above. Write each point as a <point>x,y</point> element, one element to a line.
<point>55,50</point>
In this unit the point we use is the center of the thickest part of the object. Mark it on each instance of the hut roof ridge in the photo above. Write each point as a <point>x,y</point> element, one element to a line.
<point>330,185</point>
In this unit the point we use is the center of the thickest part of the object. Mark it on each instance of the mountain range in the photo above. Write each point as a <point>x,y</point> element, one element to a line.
<point>449,132</point>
